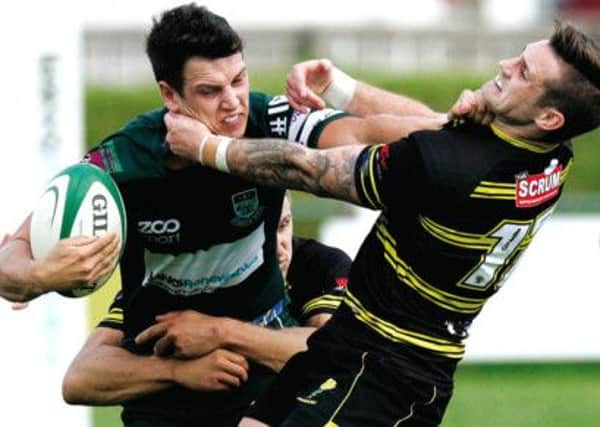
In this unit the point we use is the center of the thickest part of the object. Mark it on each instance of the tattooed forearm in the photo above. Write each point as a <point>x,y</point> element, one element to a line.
<point>328,173</point>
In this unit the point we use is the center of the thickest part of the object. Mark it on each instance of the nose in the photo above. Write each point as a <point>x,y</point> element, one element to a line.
<point>230,98</point>
<point>280,247</point>
<point>507,65</point>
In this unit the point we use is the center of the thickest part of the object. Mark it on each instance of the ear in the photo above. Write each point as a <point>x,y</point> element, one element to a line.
<point>550,119</point>
<point>169,96</point>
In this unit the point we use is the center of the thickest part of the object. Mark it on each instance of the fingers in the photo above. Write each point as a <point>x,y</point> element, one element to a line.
<point>98,245</point>
<point>234,366</point>
<point>304,81</point>
<point>167,316</point>
<point>105,260</point>
<point>80,240</point>
<point>309,99</point>
<point>471,105</point>
<point>165,346</point>
<point>151,333</point>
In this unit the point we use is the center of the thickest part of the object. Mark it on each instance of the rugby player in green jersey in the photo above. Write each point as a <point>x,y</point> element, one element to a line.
<point>458,208</point>
<point>201,245</point>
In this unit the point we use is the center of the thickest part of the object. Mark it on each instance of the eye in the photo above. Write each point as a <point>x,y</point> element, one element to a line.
<point>283,224</point>
<point>207,91</point>
<point>239,80</point>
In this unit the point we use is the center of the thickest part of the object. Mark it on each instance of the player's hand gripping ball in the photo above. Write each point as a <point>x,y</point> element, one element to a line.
<point>82,200</point>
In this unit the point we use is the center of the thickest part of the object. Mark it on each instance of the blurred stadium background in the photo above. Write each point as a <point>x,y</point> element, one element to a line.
<point>429,49</point>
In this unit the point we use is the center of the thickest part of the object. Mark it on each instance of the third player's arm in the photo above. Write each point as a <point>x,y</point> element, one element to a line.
<point>189,334</point>
<point>268,347</point>
<point>104,373</point>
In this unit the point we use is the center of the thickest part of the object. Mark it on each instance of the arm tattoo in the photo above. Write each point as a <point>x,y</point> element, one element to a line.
<point>271,162</point>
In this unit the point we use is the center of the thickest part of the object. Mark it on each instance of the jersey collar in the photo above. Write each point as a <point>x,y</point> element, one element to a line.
<point>536,147</point>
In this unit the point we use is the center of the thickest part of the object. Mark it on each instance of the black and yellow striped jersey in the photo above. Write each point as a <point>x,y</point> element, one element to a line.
<point>317,278</point>
<point>459,206</point>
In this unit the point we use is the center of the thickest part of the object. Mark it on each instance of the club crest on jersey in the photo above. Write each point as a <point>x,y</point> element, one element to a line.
<point>533,190</point>
<point>246,207</point>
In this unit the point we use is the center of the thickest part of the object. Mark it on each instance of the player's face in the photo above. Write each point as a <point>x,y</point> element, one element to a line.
<point>284,237</point>
<point>513,94</point>
<point>216,91</point>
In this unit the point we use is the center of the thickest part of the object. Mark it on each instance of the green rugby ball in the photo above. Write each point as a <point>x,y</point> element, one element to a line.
<point>82,200</point>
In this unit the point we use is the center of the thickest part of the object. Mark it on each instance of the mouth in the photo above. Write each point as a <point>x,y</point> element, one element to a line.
<point>233,119</point>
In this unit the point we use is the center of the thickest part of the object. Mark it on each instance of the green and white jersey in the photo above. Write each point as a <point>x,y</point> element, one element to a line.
<point>199,239</point>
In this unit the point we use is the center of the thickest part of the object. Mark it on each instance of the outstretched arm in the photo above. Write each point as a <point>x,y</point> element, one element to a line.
<point>274,163</point>
<point>316,82</point>
<point>270,162</point>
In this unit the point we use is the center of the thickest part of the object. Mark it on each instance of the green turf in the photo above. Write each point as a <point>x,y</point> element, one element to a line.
<point>508,395</point>
<point>520,395</point>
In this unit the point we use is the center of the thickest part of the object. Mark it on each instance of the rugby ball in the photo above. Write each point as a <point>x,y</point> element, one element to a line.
<point>82,200</point>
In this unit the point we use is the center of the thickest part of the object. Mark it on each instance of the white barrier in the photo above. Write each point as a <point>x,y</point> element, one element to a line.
<point>41,113</point>
<point>547,309</point>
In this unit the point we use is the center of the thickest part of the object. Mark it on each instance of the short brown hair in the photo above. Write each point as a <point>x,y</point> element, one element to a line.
<point>577,94</point>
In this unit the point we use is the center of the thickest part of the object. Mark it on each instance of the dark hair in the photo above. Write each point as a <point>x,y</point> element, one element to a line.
<point>184,32</point>
<point>577,94</point>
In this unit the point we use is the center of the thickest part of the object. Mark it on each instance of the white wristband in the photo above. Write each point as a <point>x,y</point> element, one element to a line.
<point>221,155</point>
<point>340,91</point>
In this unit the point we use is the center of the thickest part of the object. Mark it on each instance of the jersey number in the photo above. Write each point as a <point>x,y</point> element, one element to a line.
<point>496,265</point>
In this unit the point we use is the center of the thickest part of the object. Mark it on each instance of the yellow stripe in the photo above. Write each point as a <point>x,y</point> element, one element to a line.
<point>382,227</point>
<point>463,239</point>
<point>458,238</point>
<point>364,186</point>
<point>440,298</point>
<point>565,173</point>
<point>481,196</point>
<point>330,422</point>
<point>498,184</point>
<point>113,318</point>
<point>372,174</point>
<point>536,147</point>
<point>327,301</point>
<point>394,333</point>
<point>494,190</point>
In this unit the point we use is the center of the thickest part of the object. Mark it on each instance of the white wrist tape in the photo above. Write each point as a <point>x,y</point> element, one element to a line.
<point>340,91</point>
<point>221,155</point>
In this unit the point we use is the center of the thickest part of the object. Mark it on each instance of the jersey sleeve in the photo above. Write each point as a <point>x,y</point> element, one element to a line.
<point>114,317</point>
<point>317,278</point>
<point>126,159</point>
<point>276,117</point>
<point>391,176</point>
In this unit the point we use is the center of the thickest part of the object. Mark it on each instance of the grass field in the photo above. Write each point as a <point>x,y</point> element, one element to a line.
<point>507,395</point>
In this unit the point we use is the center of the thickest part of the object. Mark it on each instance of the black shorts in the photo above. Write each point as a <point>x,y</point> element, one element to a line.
<point>343,381</point>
